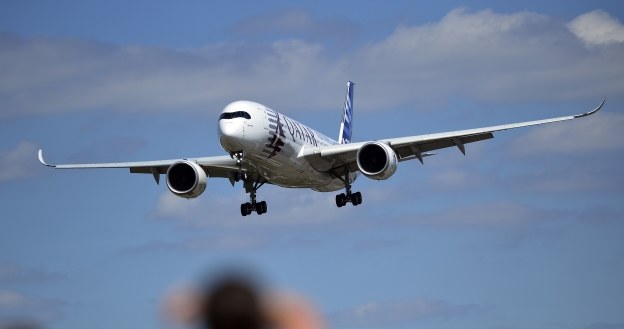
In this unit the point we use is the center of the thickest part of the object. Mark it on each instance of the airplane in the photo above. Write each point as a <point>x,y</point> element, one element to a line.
<point>268,147</point>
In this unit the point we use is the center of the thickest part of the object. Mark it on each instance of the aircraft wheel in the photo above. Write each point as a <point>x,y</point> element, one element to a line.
<point>246,209</point>
<point>261,207</point>
<point>341,200</point>
<point>356,198</point>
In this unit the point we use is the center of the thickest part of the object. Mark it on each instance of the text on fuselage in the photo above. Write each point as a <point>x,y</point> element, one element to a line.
<point>296,130</point>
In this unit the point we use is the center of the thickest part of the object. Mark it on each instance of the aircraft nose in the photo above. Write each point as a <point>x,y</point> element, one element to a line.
<point>231,134</point>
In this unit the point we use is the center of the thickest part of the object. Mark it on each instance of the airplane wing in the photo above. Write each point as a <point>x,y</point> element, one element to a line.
<point>334,157</point>
<point>216,166</point>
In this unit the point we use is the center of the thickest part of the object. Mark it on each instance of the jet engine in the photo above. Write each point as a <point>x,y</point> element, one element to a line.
<point>186,179</point>
<point>377,160</point>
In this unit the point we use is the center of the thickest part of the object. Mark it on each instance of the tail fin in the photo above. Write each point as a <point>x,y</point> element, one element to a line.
<point>344,137</point>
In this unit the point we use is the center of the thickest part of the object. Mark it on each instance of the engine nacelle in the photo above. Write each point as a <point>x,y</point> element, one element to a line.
<point>377,160</point>
<point>186,179</point>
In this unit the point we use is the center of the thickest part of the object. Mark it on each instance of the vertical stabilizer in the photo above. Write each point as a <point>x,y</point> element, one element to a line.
<point>346,125</point>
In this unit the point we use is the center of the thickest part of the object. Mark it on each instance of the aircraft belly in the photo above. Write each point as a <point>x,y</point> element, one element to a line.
<point>290,172</point>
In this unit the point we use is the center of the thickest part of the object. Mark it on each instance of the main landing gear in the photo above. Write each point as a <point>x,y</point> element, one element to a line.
<point>354,198</point>
<point>248,207</point>
<point>342,199</point>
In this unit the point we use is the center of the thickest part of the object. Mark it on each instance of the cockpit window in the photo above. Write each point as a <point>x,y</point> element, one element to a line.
<point>237,114</point>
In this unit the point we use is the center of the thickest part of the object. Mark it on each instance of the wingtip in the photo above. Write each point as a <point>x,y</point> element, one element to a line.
<point>592,111</point>
<point>43,161</point>
<point>599,106</point>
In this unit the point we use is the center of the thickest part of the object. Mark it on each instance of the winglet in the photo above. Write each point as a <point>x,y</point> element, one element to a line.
<point>43,161</point>
<point>592,111</point>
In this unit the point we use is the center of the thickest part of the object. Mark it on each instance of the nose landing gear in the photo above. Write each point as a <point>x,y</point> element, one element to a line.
<point>239,163</point>
<point>251,186</point>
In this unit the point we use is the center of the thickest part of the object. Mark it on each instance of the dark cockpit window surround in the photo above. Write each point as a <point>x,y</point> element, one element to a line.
<point>237,114</point>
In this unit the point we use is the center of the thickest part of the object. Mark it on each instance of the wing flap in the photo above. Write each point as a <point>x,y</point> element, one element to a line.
<point>414,149</point>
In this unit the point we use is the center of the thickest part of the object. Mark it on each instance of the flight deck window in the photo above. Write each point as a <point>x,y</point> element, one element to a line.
<point>232,115</point>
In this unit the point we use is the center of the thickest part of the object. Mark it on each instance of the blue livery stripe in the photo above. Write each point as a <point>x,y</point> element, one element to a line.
<point>344,136</point>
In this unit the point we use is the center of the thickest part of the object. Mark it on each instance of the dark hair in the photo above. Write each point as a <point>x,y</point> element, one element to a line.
<point>232,302</point>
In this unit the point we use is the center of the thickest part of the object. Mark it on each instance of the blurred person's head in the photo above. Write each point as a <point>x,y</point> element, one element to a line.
<point>237,300</point>
<point>232,302</point>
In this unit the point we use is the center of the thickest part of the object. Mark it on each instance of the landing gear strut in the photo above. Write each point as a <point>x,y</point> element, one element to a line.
<point>248,207</point>
<point>239,163</point>
<point>342,199</point>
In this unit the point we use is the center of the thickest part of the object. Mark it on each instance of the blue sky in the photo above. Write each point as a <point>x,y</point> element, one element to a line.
<point>522,232</point>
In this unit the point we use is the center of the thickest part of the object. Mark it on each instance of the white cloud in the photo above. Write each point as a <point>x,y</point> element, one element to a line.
<point>455,179</point>
<point>209,241</point>
<point>574,180</point>
<point>19,162</point>
<point>51,75</point>
<point>485,56</point>
<point>297,23</point>
<point>501,214</point>
<point>603,325</point>
<point>217,225</point>
<point>229,241</point>
<point>460,30</point>
<point>286,207</point>
<point>151,247</point>
<point>15,273</point>
<point>399,311</point>
<point>14,305</point>
<point>295,218</point>
<point>11,299</point>
<point>598,133</point>
<point>597,28</point>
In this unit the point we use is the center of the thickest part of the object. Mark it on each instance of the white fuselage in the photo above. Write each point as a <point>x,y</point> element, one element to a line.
<point>272,144</point>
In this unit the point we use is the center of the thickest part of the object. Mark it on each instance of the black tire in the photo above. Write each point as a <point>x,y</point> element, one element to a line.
<point>244,209</point>
<point>356,198</point>
<point>261,207</point>
<point>340,200</point>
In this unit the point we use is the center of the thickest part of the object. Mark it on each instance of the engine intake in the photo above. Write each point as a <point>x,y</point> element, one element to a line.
<point>186,179</point>
<point>377,160</point>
